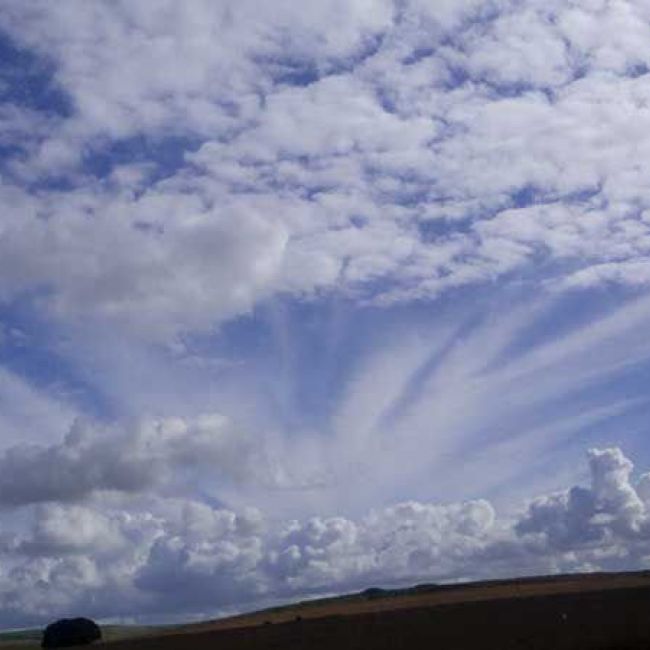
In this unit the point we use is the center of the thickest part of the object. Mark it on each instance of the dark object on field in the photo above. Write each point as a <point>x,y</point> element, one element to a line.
<point>70,631</point>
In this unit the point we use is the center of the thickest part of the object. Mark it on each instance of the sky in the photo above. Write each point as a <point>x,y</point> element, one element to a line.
<point>302,298</point>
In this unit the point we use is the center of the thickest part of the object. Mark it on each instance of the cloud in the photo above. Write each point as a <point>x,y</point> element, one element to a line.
<point>208,569</point>
<point>138,457</point>
<point>167,172</point>
<point>385,154</point>
<point>194,558</point>
<point>63,530</point>
<point>174,74</point>
<point>490,389</point>
<point>602,526</point>
<point>609,513</point>
<point>166,263</point>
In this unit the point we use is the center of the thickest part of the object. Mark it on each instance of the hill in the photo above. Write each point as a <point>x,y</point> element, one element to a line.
<point>572,612</point>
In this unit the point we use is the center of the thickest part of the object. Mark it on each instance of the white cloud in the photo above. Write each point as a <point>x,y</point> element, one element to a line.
<point>187,68</point>
<point>193,558</point>
<point>62,530</point>
<point>129,458</point>
<point>609,518</point>
<point>372,152</point>
<point>153,266</point>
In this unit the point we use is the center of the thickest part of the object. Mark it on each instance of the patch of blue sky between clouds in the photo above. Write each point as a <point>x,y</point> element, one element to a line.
<point>301,72</point>
<point>30,96</point>
<point>28,80</point>
<point>32,348</point>
<point>296,354</point>
<point>162,155</point>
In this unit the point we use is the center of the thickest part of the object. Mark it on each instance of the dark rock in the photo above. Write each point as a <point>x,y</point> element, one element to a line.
<point>69,632</point>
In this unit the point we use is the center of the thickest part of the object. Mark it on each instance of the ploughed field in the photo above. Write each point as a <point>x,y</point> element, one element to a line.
<point>608,611</point>
<point>567,612</point>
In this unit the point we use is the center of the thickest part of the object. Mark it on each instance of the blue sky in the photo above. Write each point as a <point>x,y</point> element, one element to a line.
<point>297,300</point>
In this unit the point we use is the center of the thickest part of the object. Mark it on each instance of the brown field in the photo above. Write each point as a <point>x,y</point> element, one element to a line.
<point>605,611</point>
<point>571,612</point>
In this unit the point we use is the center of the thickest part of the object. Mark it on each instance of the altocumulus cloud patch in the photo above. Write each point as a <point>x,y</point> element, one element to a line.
<point>278,173</point>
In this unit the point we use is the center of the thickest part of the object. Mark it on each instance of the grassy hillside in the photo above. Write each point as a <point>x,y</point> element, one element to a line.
<point>27,639</point>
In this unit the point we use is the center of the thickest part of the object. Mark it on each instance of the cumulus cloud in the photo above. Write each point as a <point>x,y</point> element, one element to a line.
<point>218,566</point>
<point>609,513</point>
<point>405,541</point>
<point>132,458</point>
<point>64,530</point>
<point>168,555</point>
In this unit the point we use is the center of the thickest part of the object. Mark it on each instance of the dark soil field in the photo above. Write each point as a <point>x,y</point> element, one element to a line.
<point>606,611</point>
